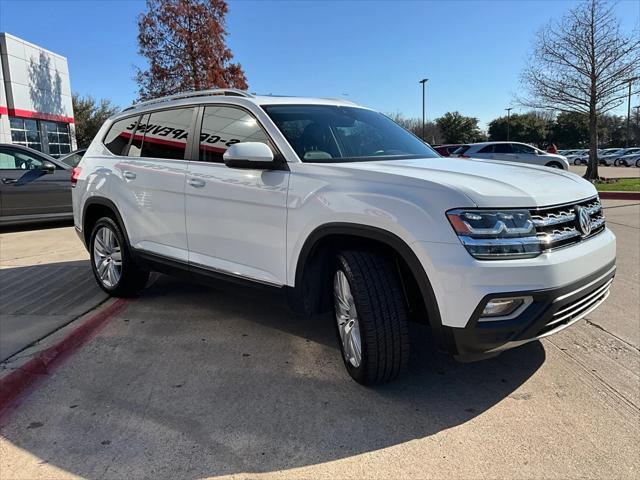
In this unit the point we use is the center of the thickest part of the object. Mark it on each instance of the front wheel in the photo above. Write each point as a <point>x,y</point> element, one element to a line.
<point>111,262</point>
<point>371,316</point>
<point>554,165</point>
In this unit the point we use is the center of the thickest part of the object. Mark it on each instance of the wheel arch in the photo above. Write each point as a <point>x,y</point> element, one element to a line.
<point>96,208</point>
<point>329,238</point>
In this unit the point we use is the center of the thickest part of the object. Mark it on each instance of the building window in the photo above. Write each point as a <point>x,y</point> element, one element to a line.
<point>57,137</point>
<point>25,131</point>
<point>48,137</point>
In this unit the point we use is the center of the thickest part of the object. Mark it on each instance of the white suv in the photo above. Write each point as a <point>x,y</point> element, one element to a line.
<point>512,152</point>
<point>342,210</point>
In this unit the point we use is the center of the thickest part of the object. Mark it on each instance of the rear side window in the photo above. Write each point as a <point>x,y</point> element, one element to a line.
<point>118,136</point>
<point>166,133</point>
<point>487,149</point>
<point>222,127</point>
<point>502,148</point>
<point>460,150</point>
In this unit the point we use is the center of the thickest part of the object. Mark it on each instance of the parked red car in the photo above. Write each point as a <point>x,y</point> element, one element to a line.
<point>446,150</point>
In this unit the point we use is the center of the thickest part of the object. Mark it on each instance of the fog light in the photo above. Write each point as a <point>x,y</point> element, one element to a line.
<point>502,307</point>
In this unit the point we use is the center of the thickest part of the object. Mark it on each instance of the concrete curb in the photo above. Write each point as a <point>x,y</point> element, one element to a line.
<point>29,368</point>
<point>619,195</point>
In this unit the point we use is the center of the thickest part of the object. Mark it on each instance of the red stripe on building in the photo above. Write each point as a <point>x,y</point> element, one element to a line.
<point>16,112</point>
<point>3,110</point>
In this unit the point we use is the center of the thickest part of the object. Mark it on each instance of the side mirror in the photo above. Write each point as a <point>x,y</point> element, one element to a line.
<point>48,167</point>
<point>254,155</point>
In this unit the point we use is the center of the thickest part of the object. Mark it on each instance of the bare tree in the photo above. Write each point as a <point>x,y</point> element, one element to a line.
<point>582,64</point>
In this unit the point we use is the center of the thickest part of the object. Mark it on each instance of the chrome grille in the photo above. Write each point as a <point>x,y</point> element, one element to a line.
<point>577,309</point>
<point>557,226</point>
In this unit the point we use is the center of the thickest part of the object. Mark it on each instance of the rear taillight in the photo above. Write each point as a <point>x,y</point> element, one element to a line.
<point>75,175</point>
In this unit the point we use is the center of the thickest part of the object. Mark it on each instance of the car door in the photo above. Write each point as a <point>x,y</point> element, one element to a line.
<point>527,154</point>
<point>152,175</point>
<point>236,218</point>
<point>30,187</point>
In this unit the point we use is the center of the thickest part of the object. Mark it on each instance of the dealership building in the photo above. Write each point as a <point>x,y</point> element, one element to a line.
<point>35,97</point>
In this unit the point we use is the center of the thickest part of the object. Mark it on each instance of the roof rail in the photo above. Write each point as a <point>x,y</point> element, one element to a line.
<point>229,92</point>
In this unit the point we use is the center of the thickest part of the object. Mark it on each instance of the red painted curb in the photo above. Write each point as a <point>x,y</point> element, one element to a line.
<point>19,382</point>
<point>619,195</point>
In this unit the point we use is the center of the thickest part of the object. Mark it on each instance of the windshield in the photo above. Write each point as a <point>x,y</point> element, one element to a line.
<point>328,133</point>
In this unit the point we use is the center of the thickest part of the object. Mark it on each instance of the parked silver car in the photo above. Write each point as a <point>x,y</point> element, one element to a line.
<point>512,152</point>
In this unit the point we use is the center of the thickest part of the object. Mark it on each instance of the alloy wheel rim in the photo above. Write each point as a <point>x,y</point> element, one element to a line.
<point>347,319</point>
<point>107,257</point>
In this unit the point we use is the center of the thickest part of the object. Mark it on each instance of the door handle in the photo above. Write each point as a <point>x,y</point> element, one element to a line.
<point>7,181</point>
<point>129,175</point>
<point>196,182</point>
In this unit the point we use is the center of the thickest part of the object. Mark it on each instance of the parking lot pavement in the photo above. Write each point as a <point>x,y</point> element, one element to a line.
<point>45,283</point>
<point>609,172</point>
<point>195,382</point>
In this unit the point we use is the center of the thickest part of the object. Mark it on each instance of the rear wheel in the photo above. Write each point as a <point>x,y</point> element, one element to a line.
<point>371,316</point>
<point>577,161</point>
<point>111,262</point>
<point>616,162</point>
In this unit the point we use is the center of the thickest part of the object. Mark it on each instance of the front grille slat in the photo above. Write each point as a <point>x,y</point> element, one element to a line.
<point>556,226</point>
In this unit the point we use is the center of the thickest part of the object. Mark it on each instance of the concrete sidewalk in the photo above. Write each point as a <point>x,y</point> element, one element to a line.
<point>45,282</point>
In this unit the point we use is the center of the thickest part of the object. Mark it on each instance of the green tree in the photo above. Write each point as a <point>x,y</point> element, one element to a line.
<point>530,127</point>
<point>570,130</point>
<point>612,131</point>
<point>456,128</point>
<point>89,116</point>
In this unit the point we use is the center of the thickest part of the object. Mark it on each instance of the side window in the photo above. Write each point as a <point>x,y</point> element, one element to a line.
<point>166,133</point>
<point>10,160</point>
<point>118,136</point>
<point>224,126</point>
<point>519,148</point>
<point>502,148</point>
<point>487,149</point>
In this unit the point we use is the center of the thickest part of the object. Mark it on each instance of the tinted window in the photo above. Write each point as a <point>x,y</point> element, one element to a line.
<point>166,133</point>
<point>502,148</point>
<point>519,148</point>
<point>119,134</point>
<point>460,150</point>
<point>487,149</point>
<point>17,160</point>
<point>224,126</point>
<point>328,133</point>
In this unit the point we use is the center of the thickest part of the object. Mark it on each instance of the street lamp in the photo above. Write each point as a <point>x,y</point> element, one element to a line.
<point>423,82</point>
<point>630,81</point>
<point>508,120</point>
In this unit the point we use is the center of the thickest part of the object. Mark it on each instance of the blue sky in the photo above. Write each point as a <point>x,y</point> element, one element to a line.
<point>373,52</point>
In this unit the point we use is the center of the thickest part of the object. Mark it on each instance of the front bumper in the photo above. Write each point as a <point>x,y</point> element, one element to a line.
<point>552,310</point>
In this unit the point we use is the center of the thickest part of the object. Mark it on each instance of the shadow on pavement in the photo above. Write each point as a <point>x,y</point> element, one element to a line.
<point>191,382</point>
<point>26,227</point>
<point>39,299</point>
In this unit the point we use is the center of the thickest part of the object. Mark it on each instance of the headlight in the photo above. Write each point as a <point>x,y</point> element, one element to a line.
<point>496,234</point>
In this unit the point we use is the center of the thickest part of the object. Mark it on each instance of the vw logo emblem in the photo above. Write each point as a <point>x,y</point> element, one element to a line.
<point>583,220</point>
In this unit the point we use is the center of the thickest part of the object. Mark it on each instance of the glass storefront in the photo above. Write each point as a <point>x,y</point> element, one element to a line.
<point>46,136</point>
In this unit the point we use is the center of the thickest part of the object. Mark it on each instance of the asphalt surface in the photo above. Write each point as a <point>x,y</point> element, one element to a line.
<point>195,382</point>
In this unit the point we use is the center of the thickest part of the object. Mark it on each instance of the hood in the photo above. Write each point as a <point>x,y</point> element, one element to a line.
<point>489,183</point>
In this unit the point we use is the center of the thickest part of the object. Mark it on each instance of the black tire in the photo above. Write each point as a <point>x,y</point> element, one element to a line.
<point>382,316</point>
<point>577,161</point>
<point>616,162</point>
<point>132,278</point>
<point>554,165</point>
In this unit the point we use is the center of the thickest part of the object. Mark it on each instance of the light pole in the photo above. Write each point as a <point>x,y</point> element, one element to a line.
<point>508,120</point>
<point>630,81</point>
<point>423,82</point>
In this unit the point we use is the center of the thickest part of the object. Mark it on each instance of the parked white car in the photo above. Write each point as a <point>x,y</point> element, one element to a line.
<point>630,160</point>
<point>578,157</point>
<point>623,152</point>
<point>339,209</point>
<point>512,152</point>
